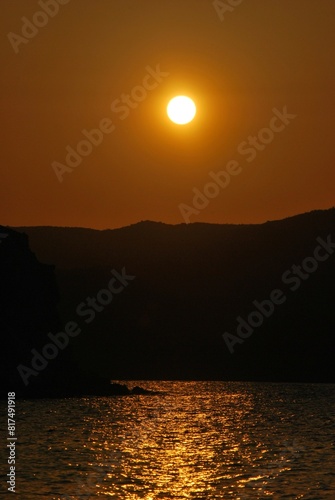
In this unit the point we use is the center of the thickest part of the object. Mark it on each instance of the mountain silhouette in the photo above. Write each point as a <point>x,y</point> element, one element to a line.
<point>192,289</point>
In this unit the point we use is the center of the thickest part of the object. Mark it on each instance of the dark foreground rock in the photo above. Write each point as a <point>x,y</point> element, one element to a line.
<point>29,300</point>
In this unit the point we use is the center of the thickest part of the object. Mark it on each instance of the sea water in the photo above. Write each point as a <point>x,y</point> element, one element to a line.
<point>196,440</point>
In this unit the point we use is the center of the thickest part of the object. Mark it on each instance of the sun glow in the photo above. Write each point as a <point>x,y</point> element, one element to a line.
<point>181,110</point>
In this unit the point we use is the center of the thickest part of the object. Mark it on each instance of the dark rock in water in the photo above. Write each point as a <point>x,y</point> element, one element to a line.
<point>140,390</point>
<point>120,390</point>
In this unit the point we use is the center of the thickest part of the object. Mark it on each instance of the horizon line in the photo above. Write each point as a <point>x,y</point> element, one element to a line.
<point>173,225</point>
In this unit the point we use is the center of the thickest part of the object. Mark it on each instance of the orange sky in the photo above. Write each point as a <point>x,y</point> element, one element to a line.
<point>264,54</point>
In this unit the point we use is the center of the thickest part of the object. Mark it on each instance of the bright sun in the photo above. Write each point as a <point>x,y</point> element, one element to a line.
<point>181,110</point>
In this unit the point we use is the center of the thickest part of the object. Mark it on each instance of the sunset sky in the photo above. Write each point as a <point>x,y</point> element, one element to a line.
<point>72,73</point>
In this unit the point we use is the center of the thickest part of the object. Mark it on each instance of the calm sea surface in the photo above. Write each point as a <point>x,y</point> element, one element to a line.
<point>200,440</point>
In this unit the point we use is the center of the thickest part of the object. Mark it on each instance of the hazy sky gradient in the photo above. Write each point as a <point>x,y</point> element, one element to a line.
<point>265,54</point>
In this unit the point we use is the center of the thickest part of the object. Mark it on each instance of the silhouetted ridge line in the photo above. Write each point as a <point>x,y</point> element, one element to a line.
<point>192,284</point>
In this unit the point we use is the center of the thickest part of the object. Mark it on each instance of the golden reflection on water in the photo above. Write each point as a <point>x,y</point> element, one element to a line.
<point>174,447</point>
<point>161,446</point>
<point>197,441</point>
